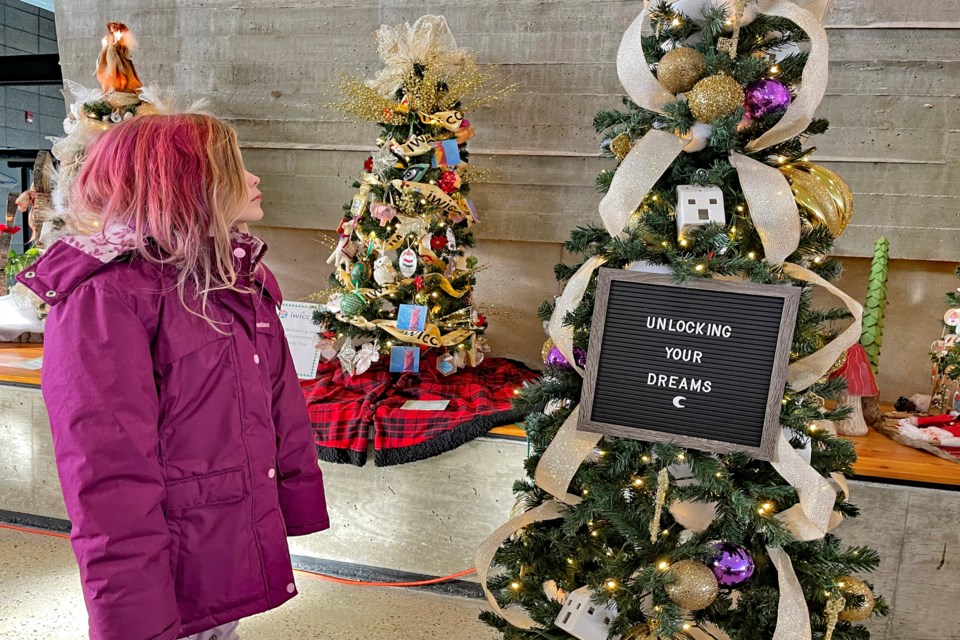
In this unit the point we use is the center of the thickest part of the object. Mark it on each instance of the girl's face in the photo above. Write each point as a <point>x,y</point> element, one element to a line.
<point>252,211</point>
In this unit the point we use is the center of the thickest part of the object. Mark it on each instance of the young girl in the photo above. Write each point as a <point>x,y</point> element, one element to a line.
<point>182,438</point>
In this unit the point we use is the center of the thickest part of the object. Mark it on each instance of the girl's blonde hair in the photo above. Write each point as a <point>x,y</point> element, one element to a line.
<point>178,182</point>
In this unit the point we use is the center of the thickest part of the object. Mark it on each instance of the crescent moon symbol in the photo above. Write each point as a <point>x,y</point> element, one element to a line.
<point>677,401</point>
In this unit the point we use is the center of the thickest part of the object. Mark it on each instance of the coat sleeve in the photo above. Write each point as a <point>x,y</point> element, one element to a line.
<point>101,396</point>
<point>299,480</point>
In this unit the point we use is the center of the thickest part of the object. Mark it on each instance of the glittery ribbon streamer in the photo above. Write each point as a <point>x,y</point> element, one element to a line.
<point>813,82</point>
<point>641,168</point>
<point>772,206</point>
<point>804,372</point>
<point>634,70</point>
<point>483,560</point>
<point>793,617</point>
<point>810,518</point>
<point>560,333</point>
<point>561,459</point>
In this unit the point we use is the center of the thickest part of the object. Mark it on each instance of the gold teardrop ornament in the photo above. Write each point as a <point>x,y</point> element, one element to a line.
<point>823,197</point>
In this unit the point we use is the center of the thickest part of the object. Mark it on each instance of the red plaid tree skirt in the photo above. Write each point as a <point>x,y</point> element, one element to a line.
<point>346,410</point>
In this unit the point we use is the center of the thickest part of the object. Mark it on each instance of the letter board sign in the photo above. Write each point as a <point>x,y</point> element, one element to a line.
<point>701,364</point>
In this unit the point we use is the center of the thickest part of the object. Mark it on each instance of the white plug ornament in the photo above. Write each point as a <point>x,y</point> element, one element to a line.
<point>698,207</point>
<point>583,619</point>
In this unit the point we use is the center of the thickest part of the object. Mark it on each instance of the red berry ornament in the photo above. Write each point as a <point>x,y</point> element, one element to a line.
<point>368,164</point>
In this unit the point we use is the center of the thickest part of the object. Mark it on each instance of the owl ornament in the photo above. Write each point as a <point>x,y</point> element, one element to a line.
<point>383,271</point>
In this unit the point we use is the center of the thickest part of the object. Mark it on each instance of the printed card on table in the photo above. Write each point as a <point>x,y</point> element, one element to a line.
<point>297,321</point>
<point>405,360</point>
<point>411,317</point>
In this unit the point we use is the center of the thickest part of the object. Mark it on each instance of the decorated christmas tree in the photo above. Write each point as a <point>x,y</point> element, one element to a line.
<point>946,359</point>
<point>403,279</point>
<point>633,538</point>
<point>120,96</point>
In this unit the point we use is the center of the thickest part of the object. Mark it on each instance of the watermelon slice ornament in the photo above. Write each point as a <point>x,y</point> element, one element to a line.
<point>860,383</point>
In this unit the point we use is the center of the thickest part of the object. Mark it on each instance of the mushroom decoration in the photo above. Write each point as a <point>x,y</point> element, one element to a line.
<point>860,383</point>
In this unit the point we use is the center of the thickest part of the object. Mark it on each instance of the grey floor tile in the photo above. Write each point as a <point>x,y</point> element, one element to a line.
<point>40,598</point>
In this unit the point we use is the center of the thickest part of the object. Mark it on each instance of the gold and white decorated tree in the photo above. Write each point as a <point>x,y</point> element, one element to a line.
<point>403,280</point>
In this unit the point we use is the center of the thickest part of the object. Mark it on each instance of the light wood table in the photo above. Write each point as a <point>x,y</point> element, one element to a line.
<point>880,457</point>
<point>13,353</point>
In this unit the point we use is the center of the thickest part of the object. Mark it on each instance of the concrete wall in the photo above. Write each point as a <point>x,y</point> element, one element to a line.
<point>27,30</point>
<point>269,70</point>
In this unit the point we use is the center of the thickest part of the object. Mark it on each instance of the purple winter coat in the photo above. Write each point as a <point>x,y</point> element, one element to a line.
<point>185,455</point>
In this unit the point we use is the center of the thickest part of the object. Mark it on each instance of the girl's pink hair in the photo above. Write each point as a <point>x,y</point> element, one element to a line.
<point>178,181</point>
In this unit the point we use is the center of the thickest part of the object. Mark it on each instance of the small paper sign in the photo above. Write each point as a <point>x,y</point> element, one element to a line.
<point>446,153</point>
<point>405,360</point>
<point>473,210</point>
<point>359,203</point>
<point>302,337</point>
<point>411,317</point>
<point>425,405</point>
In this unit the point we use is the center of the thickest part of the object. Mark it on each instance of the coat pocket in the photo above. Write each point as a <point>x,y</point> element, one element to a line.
<point>219,487</point>
<point>215,561</point>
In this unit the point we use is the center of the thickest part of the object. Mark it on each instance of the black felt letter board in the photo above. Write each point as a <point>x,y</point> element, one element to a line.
<point>702,365</point>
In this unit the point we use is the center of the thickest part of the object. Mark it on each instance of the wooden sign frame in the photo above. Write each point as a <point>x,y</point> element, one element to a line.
<point>781,358</point>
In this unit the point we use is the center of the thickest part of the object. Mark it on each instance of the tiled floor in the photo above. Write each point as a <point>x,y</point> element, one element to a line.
<point>40,600</point>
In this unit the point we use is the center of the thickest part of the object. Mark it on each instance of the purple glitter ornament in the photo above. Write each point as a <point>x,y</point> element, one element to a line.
<point>556,359</point>
<point>766,96</point>
<point>732,565</point>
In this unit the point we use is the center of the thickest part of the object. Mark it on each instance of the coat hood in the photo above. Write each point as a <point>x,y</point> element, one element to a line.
<point>74,259</point>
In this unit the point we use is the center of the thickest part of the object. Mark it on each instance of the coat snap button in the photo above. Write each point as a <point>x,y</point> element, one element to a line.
<point>256,359</point>
<point>290,588</point>
<point>51,294</point>
<point>30,274</point>
<point>240,253</point>
<point>272,473</point>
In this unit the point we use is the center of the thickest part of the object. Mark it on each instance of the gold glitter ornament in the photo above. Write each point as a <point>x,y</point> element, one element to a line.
<point>639,632</point>
<point>547,347</point>
<point>621,145</point>
<point>715,97</point>
<point>851,586</point>
<point>823,197</point>
<point>834,607</point>
<point>842,360</point>
<point>663,483</point>
<point>694,586</point>
<point>680,69</point>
